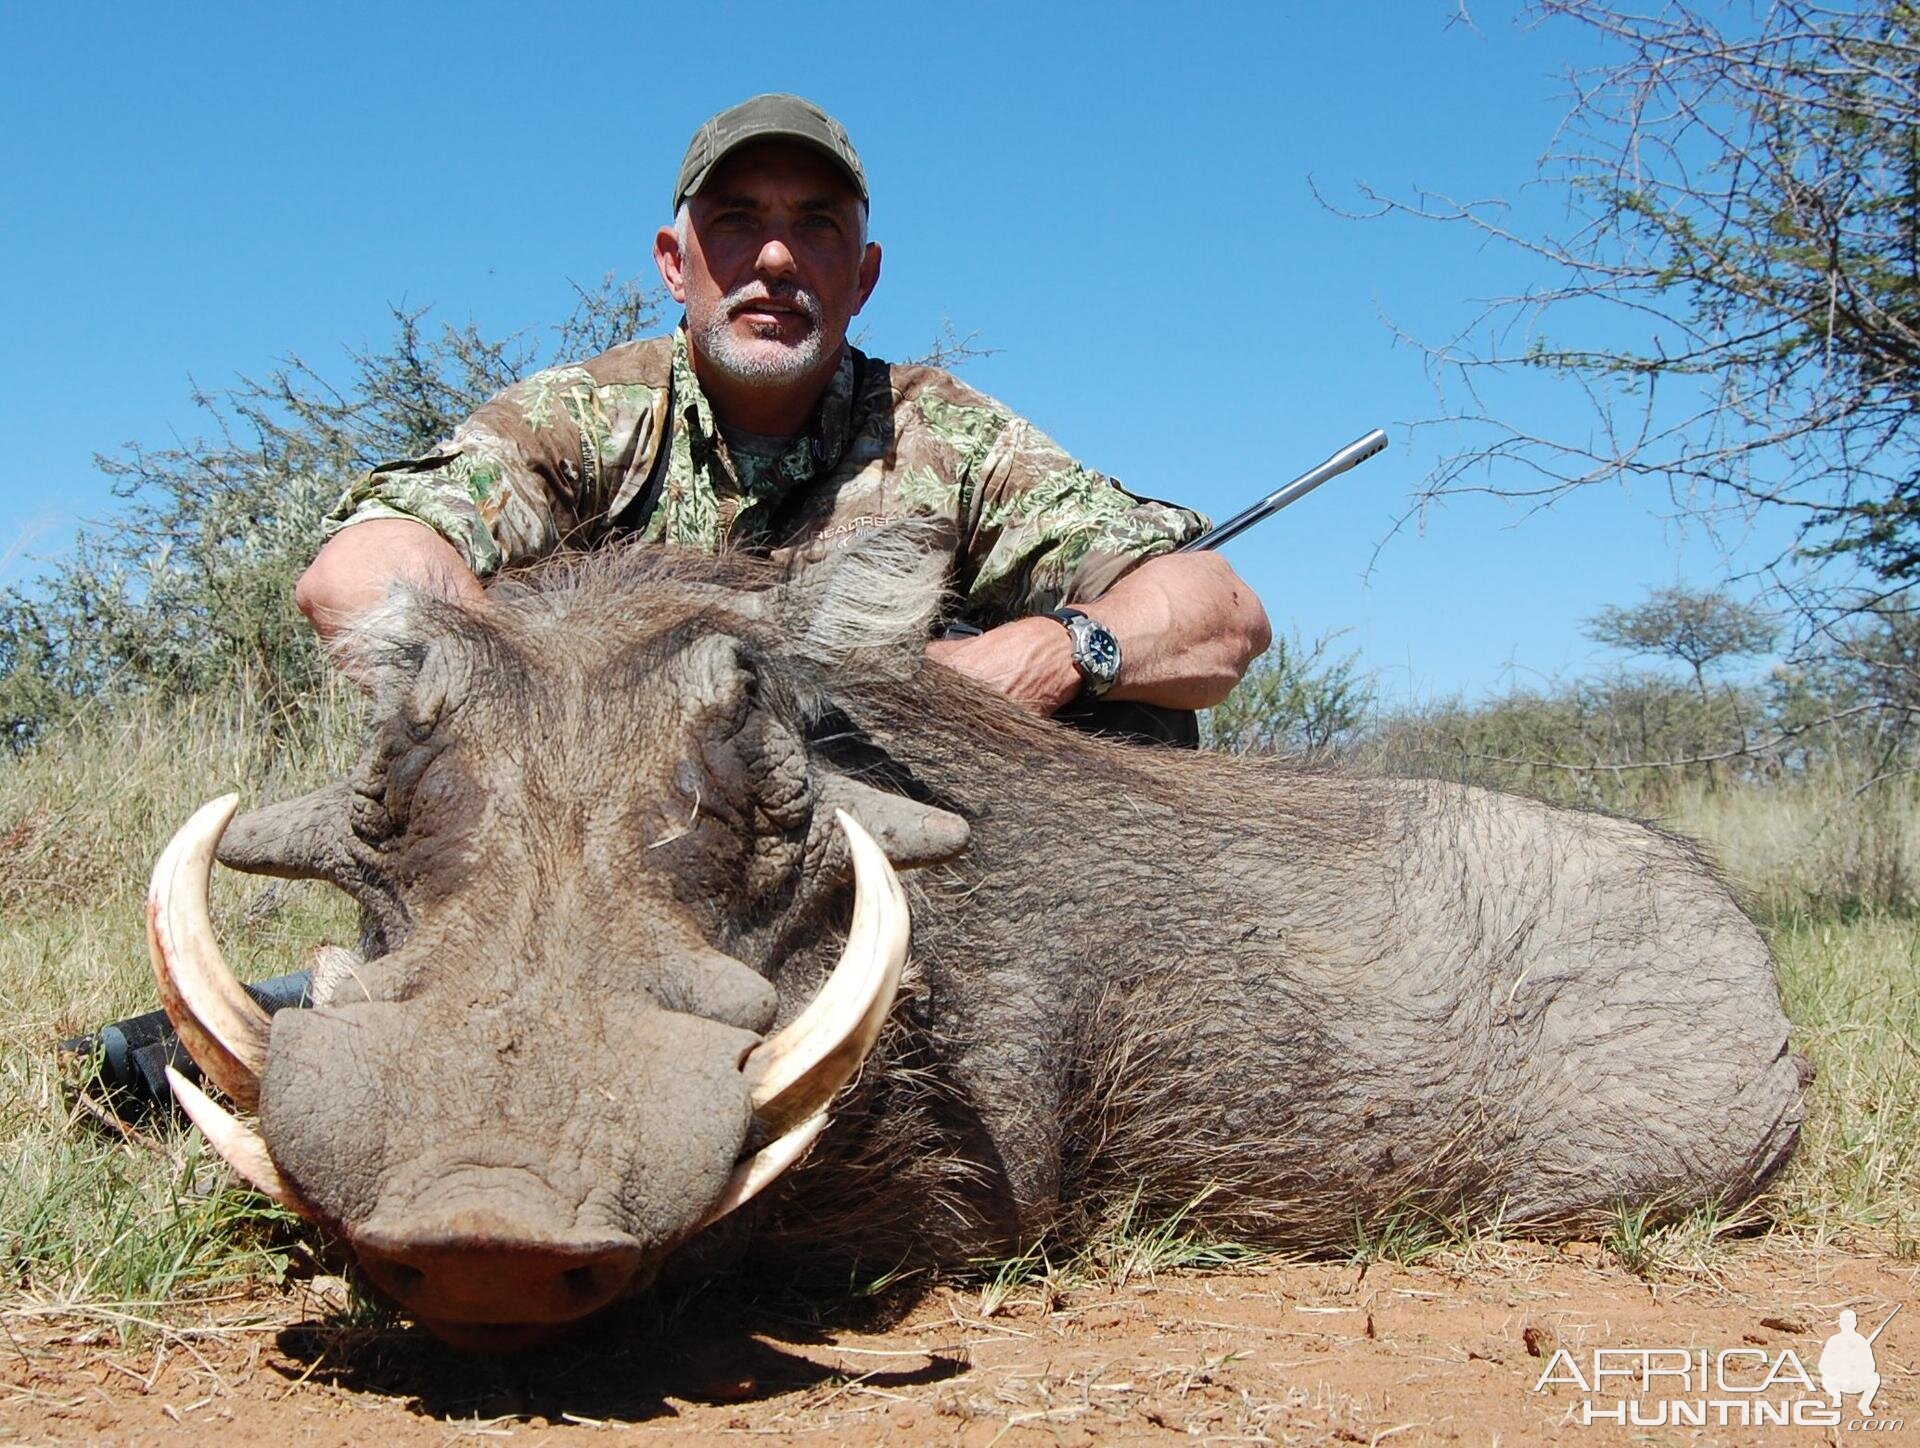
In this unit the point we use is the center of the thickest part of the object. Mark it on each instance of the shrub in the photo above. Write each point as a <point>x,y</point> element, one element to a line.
<point>1294,699</point>
<point>188,591</point>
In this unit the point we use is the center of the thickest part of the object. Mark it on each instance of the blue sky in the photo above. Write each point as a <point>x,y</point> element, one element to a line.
<point>1115,196</point>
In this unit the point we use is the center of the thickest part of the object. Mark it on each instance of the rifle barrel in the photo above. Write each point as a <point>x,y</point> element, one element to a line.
<point>1352,455</point>
<point>1883,1326</point>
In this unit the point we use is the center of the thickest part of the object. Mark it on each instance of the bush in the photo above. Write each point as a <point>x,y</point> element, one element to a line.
<point>1609,740</point>
<point>188,592</point>
<point>1294,699</point>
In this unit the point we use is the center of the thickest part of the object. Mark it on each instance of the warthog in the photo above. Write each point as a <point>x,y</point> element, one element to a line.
<point>595,839</point>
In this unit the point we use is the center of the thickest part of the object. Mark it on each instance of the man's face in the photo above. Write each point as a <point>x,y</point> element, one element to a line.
<point>773,267</point>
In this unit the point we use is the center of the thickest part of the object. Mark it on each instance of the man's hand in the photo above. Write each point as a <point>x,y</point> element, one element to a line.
<point>1029,660</point>
<point>1188,627</point>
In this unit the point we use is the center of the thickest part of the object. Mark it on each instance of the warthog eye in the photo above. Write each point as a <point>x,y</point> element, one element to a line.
<point>387,784</point>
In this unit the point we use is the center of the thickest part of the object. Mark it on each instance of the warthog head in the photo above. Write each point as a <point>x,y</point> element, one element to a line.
<point>584,830</point>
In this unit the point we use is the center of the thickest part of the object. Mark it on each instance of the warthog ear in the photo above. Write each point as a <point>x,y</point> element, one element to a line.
<point>414,651</point>
<point>296,839</point>
<point>869,605</point>
<point>309,838</point>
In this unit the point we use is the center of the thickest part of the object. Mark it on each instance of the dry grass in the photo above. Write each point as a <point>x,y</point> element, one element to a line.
<point>87,1218</point>
<point>1833,868</point>
<point>1829,845</point>
<point>1853,992</point>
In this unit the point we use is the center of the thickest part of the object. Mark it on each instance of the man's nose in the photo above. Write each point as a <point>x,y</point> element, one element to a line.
<point>775,260</point>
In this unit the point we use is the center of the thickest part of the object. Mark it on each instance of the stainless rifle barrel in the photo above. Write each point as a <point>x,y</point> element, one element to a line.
<point>1352,455</point>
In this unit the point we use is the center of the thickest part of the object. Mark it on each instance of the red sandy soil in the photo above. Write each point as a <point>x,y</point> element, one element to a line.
<point>1313,1353</point>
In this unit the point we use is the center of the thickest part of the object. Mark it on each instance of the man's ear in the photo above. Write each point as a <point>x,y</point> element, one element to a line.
<point>869,274</point>
<point>871,604</point>
<point>667,256</point>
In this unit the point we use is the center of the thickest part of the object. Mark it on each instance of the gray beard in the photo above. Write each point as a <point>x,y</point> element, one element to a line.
<point>761,366</point>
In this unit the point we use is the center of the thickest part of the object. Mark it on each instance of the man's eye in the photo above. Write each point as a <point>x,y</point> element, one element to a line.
<point>821,223</point>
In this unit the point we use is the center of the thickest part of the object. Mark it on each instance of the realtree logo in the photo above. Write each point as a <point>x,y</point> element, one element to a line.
<point>1745,1387</point>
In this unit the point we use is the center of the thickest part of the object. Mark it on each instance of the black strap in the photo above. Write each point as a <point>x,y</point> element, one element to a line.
<point>860,361</point>
<point>1135,723</point>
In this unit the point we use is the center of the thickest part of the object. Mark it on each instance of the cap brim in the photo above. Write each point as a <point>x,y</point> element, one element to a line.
<point>763,137</point>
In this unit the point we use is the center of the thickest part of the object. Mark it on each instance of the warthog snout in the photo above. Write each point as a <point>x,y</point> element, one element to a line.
<point>497,1266</point>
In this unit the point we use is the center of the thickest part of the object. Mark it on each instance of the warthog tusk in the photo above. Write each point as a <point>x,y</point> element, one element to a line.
<point>796,1071</point>
<point>241,1148</point>
<point>764,1167</point>
<point>223,1028</point>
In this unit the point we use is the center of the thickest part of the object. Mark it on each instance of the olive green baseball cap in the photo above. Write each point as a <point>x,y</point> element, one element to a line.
<point>771,117</point>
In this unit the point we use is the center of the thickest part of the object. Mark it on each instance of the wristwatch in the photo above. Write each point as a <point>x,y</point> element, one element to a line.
<point>1096,652</point>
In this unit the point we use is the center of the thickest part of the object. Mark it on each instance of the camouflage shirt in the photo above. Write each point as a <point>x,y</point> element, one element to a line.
<point>561,459</point>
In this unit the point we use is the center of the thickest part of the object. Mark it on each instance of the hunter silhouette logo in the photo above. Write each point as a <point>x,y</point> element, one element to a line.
<point>1846,1362</point>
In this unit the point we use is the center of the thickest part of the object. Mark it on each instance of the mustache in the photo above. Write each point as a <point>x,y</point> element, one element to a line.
<point>791,293</point>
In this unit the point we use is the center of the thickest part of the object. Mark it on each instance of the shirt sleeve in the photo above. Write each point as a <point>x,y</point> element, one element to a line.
<point>512,483</point>
<point>1046,530</point>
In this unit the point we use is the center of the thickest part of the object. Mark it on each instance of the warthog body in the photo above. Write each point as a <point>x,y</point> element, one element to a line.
<point>594,834</point>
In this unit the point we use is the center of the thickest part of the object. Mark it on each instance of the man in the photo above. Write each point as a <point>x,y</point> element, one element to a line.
<point>1846,1362</point>
<point>756,424</point>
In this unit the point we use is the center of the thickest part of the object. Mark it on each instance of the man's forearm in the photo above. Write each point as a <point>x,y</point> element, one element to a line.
<point>356,569</point>
<point>1187,625</point>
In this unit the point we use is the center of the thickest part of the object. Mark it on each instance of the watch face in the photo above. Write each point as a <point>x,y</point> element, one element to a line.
<point>1103,653</point>
<point>1097,652</point>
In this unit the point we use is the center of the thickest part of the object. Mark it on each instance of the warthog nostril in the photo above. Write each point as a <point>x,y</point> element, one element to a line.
<point>498,1276</point>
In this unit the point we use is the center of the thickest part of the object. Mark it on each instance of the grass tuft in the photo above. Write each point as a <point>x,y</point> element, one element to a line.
<point>1630,1238</point>
<point>1133,1245</point>
<point>1406,1235</point>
